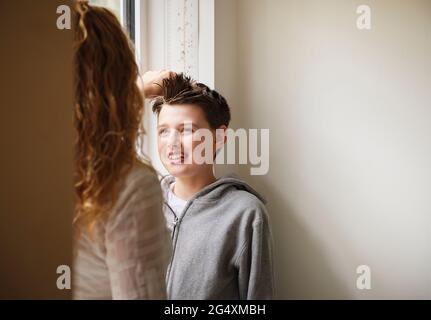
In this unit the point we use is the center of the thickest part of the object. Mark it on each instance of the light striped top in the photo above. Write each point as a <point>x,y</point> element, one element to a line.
<point>128,254</point>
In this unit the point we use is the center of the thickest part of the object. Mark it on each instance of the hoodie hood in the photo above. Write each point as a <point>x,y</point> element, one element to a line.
<point>217,189</point>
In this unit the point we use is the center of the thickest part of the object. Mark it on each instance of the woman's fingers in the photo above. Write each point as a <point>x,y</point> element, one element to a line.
<point>153,82</point>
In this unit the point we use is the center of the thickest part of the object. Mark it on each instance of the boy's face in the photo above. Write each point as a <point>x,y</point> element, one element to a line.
<point>177,125</point>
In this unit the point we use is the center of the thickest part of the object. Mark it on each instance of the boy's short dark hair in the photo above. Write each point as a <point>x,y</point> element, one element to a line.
<point>181,89</point>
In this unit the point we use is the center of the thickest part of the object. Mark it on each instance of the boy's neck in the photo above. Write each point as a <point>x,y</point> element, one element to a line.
<point>185,188</point>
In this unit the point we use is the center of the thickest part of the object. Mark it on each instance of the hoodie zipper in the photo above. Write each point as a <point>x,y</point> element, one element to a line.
<point>176,220</point>
<point>175,228</point>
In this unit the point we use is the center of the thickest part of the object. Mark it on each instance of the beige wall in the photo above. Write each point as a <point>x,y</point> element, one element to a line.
<point>349,112</point>
<point>36,187</point>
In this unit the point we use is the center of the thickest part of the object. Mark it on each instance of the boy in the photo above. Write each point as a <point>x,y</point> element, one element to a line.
<point>220,232</point>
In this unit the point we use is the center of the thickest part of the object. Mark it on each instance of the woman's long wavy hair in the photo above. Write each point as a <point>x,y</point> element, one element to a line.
<point>108,112</point>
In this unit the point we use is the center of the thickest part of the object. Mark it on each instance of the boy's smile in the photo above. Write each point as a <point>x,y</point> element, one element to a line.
<point>176,158</point>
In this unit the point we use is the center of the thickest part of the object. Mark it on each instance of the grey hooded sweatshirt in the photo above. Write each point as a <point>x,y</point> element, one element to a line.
<point>222,244</point>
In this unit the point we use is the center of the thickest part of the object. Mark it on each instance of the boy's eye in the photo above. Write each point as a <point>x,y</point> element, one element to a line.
<point>163,132</point>
<point>187,130</point>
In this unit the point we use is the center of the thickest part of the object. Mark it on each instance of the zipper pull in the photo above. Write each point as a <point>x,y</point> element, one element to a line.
<point>174,227</point>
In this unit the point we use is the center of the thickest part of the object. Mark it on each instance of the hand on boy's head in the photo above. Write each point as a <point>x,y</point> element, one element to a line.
<point>151,83</point>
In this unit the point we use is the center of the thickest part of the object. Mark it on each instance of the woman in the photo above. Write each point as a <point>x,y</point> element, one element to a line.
<point>122,245</point>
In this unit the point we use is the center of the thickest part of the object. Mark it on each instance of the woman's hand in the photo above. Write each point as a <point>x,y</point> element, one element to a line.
<point>151,83</point>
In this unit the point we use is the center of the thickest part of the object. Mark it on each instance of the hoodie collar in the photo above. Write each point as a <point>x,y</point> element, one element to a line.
<point>216,189</point>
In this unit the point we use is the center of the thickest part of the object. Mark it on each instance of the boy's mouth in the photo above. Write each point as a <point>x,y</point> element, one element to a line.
<point>176,158</point>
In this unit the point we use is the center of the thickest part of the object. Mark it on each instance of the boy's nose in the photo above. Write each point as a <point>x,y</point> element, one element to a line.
<point>174,140</point>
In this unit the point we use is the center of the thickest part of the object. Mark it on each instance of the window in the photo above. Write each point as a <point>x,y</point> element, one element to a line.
<point>129,17</point>
<point>124,10</point>
<point>179,36</point>
<point>168,34</point>
<point>114,5</point>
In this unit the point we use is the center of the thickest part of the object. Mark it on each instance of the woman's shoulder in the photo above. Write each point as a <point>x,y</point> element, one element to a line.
<point>141,180</point>
<point>139,189</point>
<point>140,173</point>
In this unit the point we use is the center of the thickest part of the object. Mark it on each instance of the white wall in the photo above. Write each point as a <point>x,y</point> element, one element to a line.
<point>350,148</point>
